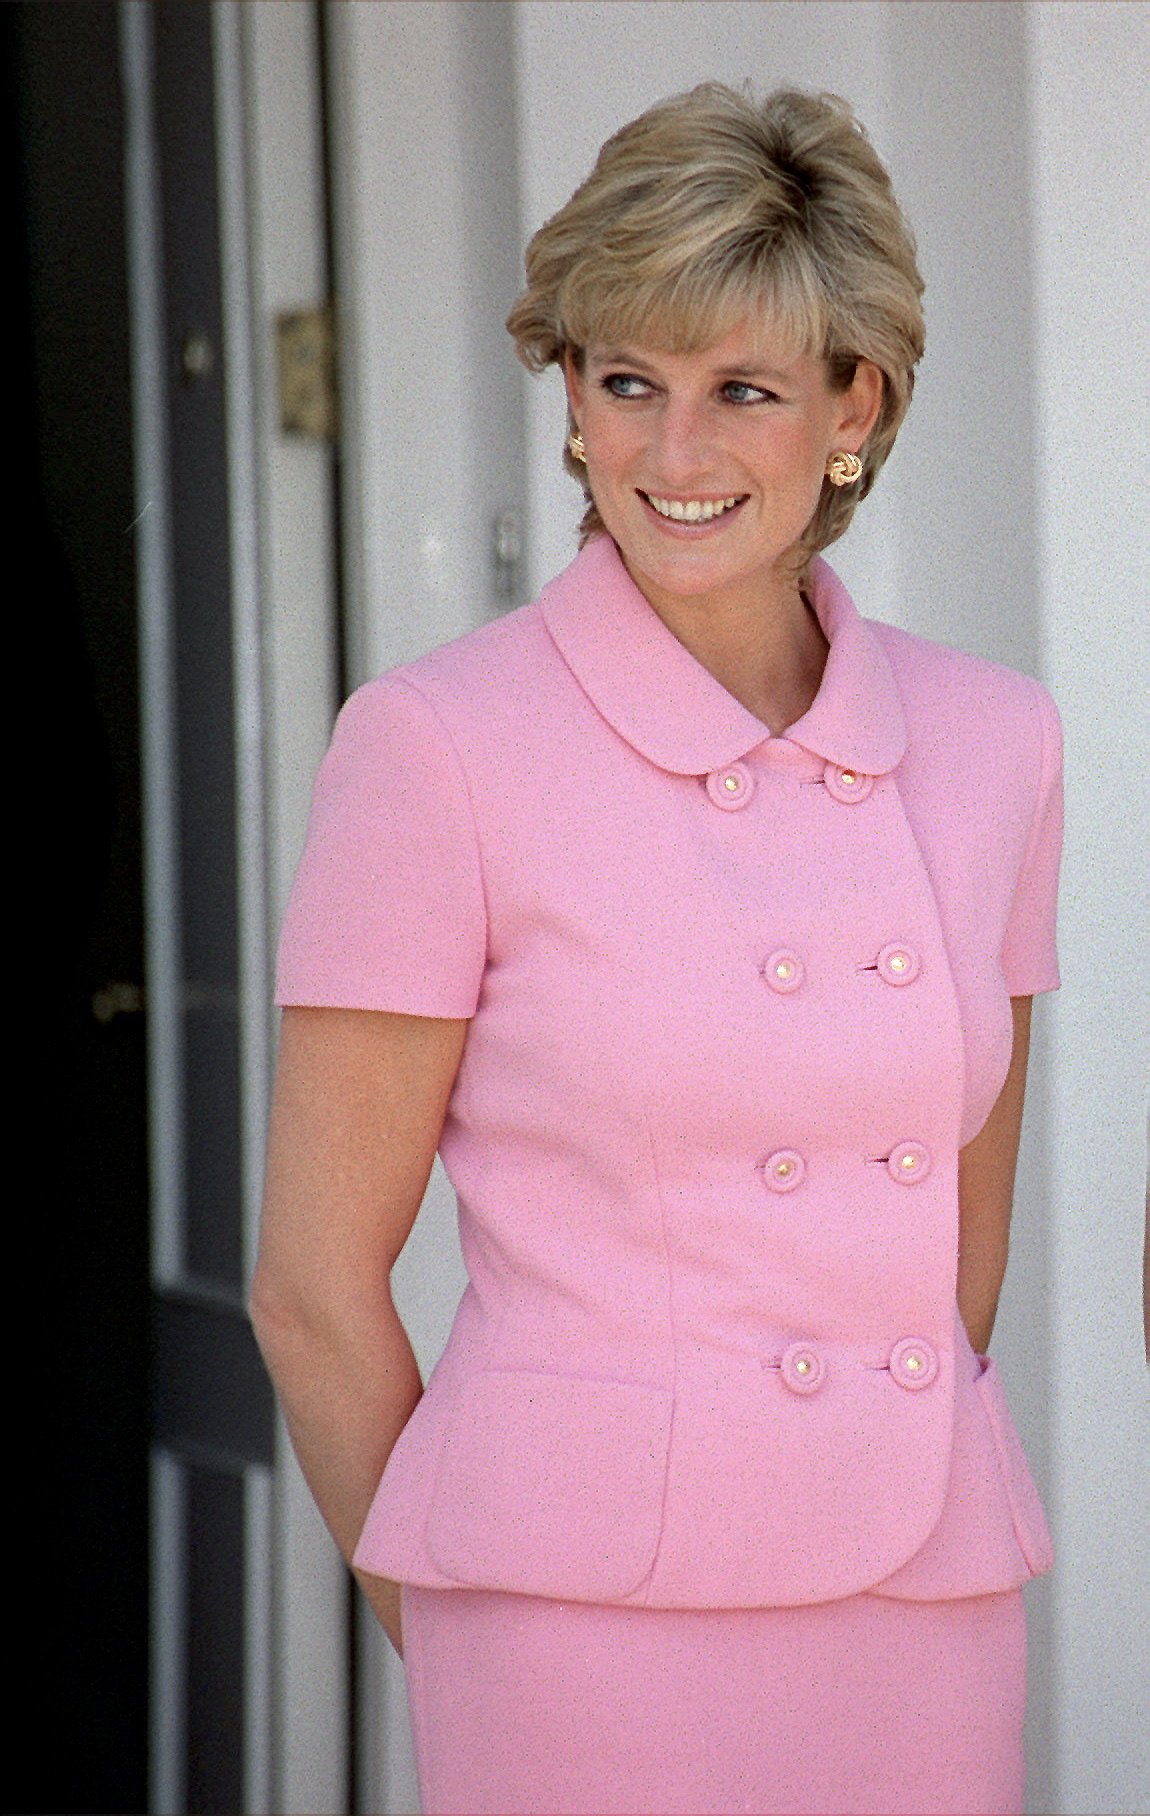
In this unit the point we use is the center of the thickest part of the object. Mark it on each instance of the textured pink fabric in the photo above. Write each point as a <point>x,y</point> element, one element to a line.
<point>525,1705</point>
<point>709,1355</point>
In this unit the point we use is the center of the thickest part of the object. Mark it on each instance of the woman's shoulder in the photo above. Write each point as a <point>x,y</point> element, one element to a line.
<point>492,657</point>
<point>921,662</point>
<point>978,732</point>
<point>952,691</point>
<point>488,677</point>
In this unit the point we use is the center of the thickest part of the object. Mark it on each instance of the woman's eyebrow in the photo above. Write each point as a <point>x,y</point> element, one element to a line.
<point>774,374</point>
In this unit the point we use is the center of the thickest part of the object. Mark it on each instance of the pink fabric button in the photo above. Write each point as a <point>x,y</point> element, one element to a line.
<point>803,1368</point>
<point>731,788</point>
<point>908,1163</point>
<point>784,971</point>
<point>913,1363</point>
<point>898,964</point>
<point>784,1170</point>
<point>847,785</point>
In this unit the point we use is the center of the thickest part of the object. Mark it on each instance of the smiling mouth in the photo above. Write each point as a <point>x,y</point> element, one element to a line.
<point>692,510</point>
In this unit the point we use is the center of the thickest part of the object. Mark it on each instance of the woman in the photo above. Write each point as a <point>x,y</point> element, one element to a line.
<point>696,920</point>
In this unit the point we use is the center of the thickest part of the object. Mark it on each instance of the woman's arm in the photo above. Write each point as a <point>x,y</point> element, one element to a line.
<point>986,1192</point>
<point>359,1104</point>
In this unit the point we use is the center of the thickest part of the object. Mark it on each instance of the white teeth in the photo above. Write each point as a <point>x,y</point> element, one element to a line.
<point>694,510</point>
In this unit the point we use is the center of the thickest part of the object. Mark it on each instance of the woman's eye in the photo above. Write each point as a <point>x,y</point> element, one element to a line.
<point>737,391</point>
<point>625,384</point>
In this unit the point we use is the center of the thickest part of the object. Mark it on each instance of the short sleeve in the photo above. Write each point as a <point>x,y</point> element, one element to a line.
<point>1029,955</point>
<point>387,908</point>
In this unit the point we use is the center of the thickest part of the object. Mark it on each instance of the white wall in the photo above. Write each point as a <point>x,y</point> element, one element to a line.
<point>1004,523</point>
<point>1089,129</point>
<point>427,231</point>
<point>270,52</point>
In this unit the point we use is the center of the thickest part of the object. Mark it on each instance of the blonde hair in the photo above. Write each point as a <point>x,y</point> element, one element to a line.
<point>711,207</point>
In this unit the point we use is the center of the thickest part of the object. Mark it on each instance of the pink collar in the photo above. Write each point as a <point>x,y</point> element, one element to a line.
<point>667,706</point>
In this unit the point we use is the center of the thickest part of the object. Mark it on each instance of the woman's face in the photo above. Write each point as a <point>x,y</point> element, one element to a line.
<point>707,467</point>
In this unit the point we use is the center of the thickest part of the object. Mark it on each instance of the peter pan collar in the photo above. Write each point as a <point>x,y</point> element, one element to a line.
<point>671,709</point>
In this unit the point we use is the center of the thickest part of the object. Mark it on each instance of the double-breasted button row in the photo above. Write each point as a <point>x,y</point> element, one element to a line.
<point>784,971</point>
<point>732,786</point>
<point>785,1168</point>
<point>912,1363</point>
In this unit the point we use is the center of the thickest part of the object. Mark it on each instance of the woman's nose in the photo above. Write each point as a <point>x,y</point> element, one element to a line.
<point>681,444</point>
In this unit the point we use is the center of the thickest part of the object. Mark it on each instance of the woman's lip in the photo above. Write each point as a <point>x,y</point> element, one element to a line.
<point>678,526</point>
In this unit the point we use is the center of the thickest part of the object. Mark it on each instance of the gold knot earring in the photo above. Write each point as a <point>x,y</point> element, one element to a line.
<point>575,447</point>
<point>842,469</point>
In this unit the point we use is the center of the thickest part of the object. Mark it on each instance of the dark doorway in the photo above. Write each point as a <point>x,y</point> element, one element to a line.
<point>81,1650</point>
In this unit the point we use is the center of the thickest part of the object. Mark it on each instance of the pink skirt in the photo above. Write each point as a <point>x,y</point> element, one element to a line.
<point>531,1707</point>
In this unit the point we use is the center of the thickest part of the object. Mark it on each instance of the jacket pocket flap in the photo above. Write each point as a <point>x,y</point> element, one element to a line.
<point>551,1485</point>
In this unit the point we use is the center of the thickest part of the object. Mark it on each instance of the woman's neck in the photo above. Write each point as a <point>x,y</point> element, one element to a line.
<point>769,655</point>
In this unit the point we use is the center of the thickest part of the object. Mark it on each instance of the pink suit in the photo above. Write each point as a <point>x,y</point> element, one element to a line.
<point>737,1003</point>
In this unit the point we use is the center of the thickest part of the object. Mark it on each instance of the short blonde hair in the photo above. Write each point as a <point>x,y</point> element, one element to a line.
<point>712,206</point>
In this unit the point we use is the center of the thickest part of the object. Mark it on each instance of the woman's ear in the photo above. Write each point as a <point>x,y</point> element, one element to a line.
<point>860,404</point>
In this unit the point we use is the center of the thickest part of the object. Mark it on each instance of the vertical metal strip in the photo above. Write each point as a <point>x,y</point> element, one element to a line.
<point>167,1762</point>
<point>240,407</point>
<point>323,53</point>
<point>154,576</point>
<point>246,617</point>
<point>259,1766</point>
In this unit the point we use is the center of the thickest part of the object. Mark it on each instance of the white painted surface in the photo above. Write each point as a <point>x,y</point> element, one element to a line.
<point>294,481</point>
<point>427,223</point>
<point>1090,124</point>
<point>1004,523</point>
<point>303,1578</point>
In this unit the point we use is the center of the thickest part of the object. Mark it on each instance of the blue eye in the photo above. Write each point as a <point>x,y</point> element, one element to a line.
<point>739,392</point>
<point>624,384</point>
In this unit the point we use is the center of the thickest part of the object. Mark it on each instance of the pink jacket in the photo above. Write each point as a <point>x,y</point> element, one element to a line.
<point>738,1001</point>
